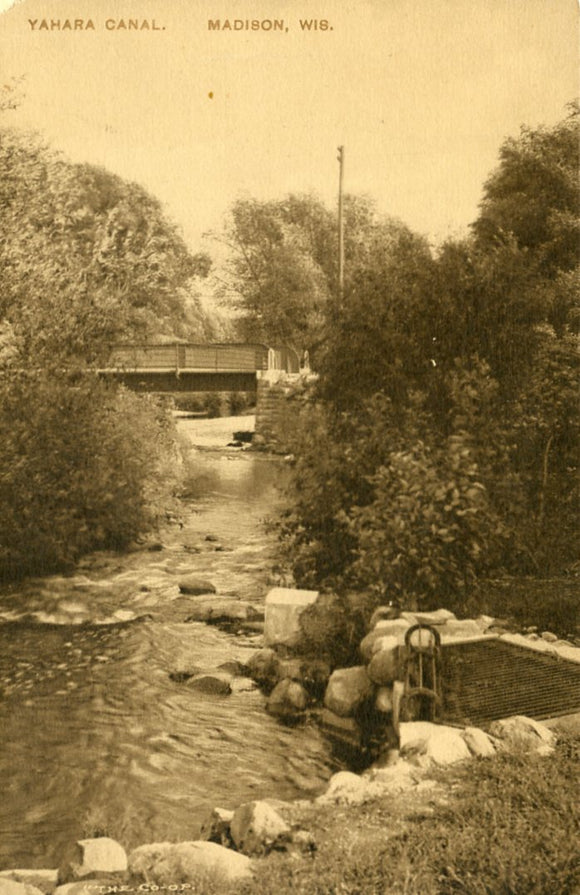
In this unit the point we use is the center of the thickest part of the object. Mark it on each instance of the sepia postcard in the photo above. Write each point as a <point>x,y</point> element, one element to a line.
<point>119,723</point>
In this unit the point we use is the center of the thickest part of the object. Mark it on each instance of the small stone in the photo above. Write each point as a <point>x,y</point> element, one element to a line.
<point>181,676</point>
<point>196,586</point>
<point>243,685</point>
<point>214,684</point>
<point>288,699</point>
<point>233,667</point>
<point>263,667</point>
<point>384,699</point>
<point>549,637</point>
<point>256,828</point>
<point>216,827</point>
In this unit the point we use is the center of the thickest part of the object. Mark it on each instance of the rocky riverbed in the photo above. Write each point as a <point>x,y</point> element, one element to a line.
<point>102,729</point>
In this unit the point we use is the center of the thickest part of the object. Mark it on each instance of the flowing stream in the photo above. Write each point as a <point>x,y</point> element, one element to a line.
<point>95,735</point>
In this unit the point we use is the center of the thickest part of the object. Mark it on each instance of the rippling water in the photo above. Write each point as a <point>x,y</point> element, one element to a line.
<point>95,735</point>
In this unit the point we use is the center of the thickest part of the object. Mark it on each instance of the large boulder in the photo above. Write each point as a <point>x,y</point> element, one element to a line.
<point>284,606</point>
<point>93,857</point>
<point>383,668</point>
<point>347,689</point>
<point>165,863</point>
<point>423,743</point>
<point>257,827</point>
<point>287,700</point>
<point>396,627</point>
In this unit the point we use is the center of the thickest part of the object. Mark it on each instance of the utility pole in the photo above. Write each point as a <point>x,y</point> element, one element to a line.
<point>340,158</point>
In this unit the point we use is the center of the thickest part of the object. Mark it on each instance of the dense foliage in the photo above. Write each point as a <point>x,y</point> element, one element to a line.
<point>81,468</point>
<point>441,444</point>
<point>86,259</point>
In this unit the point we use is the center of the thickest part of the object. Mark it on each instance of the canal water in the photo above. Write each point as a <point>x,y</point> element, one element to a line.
<point>96,737</point>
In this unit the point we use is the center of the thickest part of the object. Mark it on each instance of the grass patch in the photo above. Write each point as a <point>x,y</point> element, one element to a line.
<point>508,827</point>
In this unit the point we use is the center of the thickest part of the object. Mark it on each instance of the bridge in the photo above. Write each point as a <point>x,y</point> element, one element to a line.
<point>188,367</point>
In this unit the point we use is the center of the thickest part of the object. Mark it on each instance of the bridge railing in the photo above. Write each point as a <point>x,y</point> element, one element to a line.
<point>179,356</point>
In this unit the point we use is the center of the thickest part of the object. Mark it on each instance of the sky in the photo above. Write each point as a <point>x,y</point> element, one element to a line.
<point>421,93</point>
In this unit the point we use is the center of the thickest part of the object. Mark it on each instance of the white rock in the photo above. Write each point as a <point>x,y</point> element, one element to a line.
<point>437,617</point>
<point>523,734</point>
<point>347,689</point>
<point>460,629</point>
<point>284,606</point>
<point>33,877</point>
<point>100,855</point>
<point>256,827</point>
<point>345,788</point>
<point>164,863</point>
<point>427,743</point>
<point>12,887</point>
<point>478,742</point>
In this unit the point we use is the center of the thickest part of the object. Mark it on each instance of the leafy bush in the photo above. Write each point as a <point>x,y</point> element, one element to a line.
<point>212,404</point>
<point>82,467</point>
<point>427,533</point>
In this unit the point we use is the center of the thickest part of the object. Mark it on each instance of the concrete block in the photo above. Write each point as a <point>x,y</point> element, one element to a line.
<point>284,606</point>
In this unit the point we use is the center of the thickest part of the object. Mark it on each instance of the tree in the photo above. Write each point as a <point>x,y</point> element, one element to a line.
<point>533,195</point>
<point>86,258</point>
<point>274,272</point>
<point>281,269</point>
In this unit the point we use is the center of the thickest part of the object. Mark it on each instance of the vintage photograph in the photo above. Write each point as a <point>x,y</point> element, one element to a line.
<point>289,430</point>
